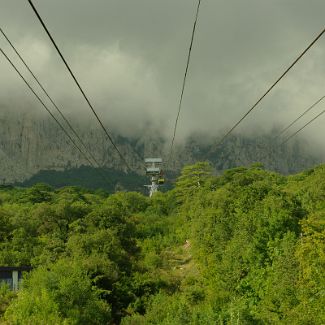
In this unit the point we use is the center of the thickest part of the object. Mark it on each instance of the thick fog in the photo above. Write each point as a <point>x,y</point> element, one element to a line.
<point>130,56</point>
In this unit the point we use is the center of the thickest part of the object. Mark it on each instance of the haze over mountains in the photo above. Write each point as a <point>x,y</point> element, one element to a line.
<point>131,63</point>
<point>29,144</point>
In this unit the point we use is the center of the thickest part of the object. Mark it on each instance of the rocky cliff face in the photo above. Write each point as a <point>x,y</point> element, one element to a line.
<point>29,144</point>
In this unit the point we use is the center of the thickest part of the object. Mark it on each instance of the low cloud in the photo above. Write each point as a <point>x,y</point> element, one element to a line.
<point>130,58</point>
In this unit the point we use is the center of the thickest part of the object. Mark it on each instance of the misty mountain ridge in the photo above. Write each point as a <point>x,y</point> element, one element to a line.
<point>29,145</point>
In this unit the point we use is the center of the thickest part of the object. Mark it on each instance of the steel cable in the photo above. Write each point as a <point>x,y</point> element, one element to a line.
<point>78,85</point>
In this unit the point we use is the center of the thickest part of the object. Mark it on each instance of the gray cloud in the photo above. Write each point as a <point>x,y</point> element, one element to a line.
<point>130,57</point>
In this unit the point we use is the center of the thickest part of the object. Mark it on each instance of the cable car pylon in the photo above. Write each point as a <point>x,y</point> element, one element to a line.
<point>155,172</point>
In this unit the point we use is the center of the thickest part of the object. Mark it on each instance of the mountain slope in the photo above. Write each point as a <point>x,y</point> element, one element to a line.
<point>30,144</point>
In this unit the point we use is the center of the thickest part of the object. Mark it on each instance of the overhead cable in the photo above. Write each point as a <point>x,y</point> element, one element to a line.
<point>50,98</point>
<point>184,81</point>
<point>78,85</point>
<point>272,86</point>
<point>300,116</point>
<point>46,108</point>
<point>311,121</point>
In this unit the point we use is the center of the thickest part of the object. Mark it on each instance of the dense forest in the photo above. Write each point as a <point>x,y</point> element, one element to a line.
<point>90,178</point>
<point>110,180</point>
<point>244,247</point>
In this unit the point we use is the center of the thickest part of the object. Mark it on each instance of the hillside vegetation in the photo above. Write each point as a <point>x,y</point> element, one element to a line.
<point>246,247</point>
<point>90,178</point>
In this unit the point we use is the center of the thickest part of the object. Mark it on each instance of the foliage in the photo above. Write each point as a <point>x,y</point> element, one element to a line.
<point>89,177</point>
<point>6,296</point>
<point>58,294</point>
<point>244,247</point>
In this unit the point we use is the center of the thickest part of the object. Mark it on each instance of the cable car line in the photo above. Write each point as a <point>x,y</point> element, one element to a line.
<point>312,120</point>
<point>47,109</point>
<point>78,85</point>
<point>50,98</point>
<point>184,81</point>
<point>270,88</point>
<point>300,116</point>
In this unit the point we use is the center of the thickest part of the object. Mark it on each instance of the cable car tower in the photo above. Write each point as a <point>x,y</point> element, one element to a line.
<point>153,169</point>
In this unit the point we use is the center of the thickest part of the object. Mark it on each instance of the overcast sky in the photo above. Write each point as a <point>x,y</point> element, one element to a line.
<point>130,56</point>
